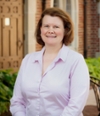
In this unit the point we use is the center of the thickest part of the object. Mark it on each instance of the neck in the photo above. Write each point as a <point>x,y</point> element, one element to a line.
<point>52,49</point>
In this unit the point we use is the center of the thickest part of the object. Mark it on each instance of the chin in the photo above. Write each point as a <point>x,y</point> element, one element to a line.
<point>50,44</point>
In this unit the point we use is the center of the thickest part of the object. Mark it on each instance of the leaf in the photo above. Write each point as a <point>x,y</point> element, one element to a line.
<point>94,67</point>
<point>7,80</point>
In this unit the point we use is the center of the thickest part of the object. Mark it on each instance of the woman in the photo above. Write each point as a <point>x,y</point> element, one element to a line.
<point>55,80</point>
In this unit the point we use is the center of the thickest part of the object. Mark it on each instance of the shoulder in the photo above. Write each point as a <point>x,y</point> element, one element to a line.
<point>75,54</point>
<point>72,54</point>
<point>31,57</point>
<point>76,59</point>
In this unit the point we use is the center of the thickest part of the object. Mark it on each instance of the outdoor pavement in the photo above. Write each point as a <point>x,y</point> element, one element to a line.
<point>91,106</point>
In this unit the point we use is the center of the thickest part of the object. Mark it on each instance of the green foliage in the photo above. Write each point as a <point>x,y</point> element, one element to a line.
<point>94,67</point>
<point>7,80</point>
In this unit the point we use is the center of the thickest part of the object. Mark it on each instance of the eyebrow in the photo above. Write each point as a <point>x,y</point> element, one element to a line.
<point>48,24</point>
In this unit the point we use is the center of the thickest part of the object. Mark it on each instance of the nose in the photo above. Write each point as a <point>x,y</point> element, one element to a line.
<point>50,30</point>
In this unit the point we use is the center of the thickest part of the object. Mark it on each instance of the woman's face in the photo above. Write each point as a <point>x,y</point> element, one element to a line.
<point>52,30</point>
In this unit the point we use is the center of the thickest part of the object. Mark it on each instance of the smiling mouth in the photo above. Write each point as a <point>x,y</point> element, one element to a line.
<point>51,36</point>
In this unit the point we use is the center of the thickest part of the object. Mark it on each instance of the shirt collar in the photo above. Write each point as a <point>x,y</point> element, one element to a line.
<point>39,55</point>
<point>61,55</point>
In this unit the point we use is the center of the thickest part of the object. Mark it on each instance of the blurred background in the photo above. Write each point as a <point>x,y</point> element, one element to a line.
<point>18,20</point>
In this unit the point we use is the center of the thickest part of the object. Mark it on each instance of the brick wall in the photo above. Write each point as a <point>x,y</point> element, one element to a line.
<point>92,23</point>
<point>92,28</point>
<point>48,2</point>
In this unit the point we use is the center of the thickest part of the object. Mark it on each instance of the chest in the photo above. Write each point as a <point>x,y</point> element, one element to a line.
<point>46,64</point>
<point>56,80</point>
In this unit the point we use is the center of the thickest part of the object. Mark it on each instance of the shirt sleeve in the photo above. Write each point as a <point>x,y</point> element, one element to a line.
<point>17,106</point>
<point>79,88</point>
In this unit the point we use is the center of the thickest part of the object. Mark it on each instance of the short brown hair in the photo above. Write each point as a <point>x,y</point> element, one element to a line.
<point>68,25</point>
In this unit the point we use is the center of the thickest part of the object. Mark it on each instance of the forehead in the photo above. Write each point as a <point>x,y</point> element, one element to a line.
<point>52,19</point>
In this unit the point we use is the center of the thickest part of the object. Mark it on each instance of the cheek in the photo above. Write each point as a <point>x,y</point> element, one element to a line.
<point>60,33</point>
<point>43,31</point>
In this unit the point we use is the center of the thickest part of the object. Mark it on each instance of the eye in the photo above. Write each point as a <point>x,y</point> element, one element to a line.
<point>46,25</point>
<point>56,26</point>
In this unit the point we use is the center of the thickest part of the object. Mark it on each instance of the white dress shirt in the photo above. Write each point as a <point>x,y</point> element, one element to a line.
<point>61,91</point>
